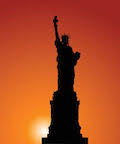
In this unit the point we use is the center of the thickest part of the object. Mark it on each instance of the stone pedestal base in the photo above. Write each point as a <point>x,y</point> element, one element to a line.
<point>70,141</point>
<point>64,127</point>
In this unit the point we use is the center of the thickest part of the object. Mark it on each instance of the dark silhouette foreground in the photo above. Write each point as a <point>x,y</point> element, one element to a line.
<point>64,128</point>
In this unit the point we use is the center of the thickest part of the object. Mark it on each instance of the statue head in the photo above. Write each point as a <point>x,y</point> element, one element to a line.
<point>65,39</point>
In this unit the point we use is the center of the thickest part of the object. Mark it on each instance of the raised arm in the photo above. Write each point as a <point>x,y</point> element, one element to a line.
<point>55,20</point>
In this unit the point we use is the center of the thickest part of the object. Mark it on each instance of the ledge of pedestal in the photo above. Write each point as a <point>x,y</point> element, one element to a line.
<point>59,141</point>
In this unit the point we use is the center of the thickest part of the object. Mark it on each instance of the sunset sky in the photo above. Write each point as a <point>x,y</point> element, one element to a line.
<point>28,67</point>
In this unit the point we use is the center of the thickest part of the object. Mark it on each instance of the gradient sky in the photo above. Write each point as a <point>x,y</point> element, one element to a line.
<point>28,73</point>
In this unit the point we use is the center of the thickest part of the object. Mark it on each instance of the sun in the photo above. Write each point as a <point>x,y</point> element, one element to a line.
<point>44,131</point>
<point>39,129</point>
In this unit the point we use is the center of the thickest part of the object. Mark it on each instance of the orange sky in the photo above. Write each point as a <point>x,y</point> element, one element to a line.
<point>28,74</point>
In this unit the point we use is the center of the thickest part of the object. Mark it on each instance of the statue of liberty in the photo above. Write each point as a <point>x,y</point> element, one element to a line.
<point>66,59</point>
<point>64,127</point>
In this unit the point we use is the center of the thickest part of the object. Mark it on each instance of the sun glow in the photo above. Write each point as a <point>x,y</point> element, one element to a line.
<point>39,129</point>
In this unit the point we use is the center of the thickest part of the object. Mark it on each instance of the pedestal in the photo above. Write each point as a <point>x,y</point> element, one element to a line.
<point>64,127</point>
<point>51,141</point>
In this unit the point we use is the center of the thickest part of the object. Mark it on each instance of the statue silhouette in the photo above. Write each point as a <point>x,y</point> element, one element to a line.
<point>64,127</point>
<point>66,61</point>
